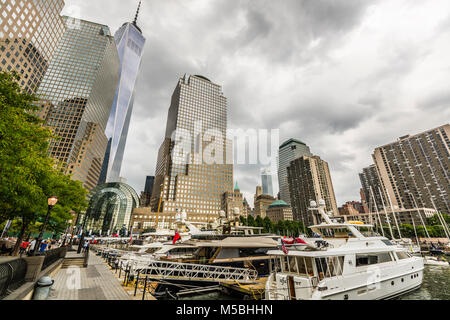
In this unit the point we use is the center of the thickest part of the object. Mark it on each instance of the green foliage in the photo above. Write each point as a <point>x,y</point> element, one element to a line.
<point>285,228</point>
<point>27,175</point>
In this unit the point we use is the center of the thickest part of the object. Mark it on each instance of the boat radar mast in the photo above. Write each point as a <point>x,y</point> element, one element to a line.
<point>321,210</point>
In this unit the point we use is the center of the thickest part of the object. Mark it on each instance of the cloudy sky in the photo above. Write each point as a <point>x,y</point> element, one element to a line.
<point>344,76</point>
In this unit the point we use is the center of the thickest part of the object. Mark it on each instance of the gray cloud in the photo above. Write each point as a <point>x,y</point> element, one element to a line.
<point>326,72</point>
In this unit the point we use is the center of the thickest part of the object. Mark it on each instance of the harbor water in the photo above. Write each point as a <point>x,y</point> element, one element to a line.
<point>435,286</point>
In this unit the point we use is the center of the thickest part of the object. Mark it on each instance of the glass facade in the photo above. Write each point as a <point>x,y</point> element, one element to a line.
<point>29,34</point>
<point>110,207</point>
<point>130,46</point>
<point>267,187</point>
<point>79,89</point>
<point>196,186</point>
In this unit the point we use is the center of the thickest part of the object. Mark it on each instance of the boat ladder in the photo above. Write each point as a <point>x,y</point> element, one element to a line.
<point>166,270</point>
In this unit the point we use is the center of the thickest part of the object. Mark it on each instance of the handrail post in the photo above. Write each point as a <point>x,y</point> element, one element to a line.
<point>137,282</point>
<point>145,288</point>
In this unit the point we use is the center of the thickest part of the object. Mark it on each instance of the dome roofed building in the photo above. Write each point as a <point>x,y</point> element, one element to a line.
<point>278,204</point>
<point>279,210</point>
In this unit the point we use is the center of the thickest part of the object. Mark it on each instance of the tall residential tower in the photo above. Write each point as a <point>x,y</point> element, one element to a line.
<point>289,151</point>
<point>415,170</point>
<point>310,179</point>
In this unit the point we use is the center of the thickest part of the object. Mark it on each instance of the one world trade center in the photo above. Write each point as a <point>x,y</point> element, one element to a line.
<point>130,44</point>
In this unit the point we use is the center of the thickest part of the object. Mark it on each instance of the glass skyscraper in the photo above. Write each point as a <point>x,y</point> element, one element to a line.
<point>196,186</point>
<point>266,177</point>
<point>130,46</point>
<point>29,34</point>
<point>79,89</point>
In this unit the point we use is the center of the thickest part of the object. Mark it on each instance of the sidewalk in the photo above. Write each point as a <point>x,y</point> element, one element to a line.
<point>96,282</point>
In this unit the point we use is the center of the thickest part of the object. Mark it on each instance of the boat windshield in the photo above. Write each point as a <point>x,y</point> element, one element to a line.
<point>341,232</point>
<point>293,264</point>
<point>330,266</point>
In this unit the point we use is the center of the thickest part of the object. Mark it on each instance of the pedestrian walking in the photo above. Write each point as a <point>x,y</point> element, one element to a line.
<point>24,246</point>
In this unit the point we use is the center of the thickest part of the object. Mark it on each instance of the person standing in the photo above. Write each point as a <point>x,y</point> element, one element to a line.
<point>32,246</point>
<point>86,246</point>
<point>43,246</point>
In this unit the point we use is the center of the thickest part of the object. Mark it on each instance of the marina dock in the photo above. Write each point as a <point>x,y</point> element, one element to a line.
<point>95,282</point>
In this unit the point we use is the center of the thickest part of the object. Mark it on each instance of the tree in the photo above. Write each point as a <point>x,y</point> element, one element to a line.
<point>268,225</point>
<point>27,175</point>
<point>259,221</point>
<point>251,221</point>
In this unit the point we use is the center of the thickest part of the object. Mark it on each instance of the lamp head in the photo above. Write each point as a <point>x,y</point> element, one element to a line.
<point>52,201</point>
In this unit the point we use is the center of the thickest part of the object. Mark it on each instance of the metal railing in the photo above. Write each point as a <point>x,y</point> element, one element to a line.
<point>52,256</point>
<point>12,276</point>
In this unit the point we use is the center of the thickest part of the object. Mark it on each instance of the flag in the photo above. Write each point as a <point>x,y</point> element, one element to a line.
<point>283,247</point>
<point>299,240</point>
<point>176,238</point>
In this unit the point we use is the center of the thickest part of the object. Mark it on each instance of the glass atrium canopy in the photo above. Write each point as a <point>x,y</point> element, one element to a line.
<point>110,207</point>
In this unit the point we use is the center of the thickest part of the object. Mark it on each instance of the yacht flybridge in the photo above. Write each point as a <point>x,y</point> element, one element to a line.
<point>348,262</point>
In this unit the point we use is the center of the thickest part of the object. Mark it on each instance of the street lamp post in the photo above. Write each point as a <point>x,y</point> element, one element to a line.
<point>51,203</point>
<point>80,244</point>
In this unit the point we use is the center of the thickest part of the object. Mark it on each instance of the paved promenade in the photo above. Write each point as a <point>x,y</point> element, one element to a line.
<point>96,282</point>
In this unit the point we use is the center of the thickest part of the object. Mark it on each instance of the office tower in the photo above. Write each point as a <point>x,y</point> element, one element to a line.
<point>29,34</point>
<point>370,180</point>
<point>309,179</point>
<point>415,169</point>
<point>190,182</point>
<point>79,84</point>
<point>130,45</point>
<point>289,151</point>
<point>266,177</point>
<point>147,193</point>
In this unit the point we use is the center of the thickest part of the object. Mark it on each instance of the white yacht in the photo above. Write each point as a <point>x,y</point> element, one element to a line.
<point>349,262</point>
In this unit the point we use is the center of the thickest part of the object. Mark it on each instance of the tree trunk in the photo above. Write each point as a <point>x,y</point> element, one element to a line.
<point>25,224</point>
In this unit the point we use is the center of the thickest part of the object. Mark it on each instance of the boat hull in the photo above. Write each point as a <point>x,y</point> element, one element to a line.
<point>376,283</point>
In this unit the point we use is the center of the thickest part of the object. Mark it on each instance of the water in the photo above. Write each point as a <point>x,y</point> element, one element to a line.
<point>435,286</point>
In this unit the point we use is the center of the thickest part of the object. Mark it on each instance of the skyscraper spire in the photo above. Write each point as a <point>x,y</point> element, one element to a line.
<point>137,13</point>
